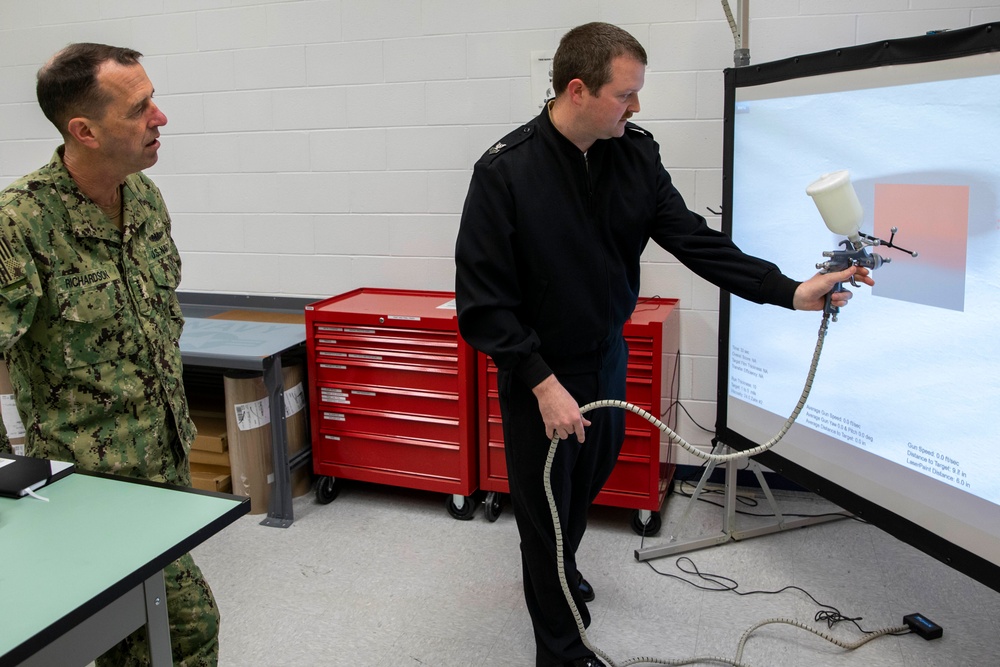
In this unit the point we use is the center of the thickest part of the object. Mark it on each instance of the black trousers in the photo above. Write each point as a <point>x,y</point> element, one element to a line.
<point>578,473</point>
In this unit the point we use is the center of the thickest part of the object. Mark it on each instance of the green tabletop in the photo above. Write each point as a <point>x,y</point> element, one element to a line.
<point>96,537</point>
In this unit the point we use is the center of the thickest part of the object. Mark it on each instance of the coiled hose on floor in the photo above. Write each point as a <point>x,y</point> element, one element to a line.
<point>718,458</point>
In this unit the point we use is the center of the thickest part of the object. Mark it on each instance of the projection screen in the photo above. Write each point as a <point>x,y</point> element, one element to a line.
<point>898,428</point>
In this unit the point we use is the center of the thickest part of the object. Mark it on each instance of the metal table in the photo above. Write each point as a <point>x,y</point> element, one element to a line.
<point>257,346</point>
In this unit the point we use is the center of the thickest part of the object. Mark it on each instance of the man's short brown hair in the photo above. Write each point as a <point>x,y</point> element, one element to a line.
<point>67,84</point>
<point>586,52</point>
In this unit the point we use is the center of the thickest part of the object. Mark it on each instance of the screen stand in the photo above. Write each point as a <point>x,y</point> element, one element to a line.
<point>729,528</point>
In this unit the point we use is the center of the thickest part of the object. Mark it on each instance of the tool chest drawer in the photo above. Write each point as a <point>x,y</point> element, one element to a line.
<point>388,460</point>
<point>402,355</point>
<point>411,402</point>
<point>391,423</point>
<point>386,338</point>
<point>400,376</point>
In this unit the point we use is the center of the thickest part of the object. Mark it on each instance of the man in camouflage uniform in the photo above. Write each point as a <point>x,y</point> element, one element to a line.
<point>89,316</point>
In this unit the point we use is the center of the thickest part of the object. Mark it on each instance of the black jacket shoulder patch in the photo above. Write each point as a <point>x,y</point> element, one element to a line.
<point>516,137</point>
<point>638,130</point>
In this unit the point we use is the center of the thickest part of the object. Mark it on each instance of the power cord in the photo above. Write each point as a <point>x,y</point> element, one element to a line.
<point>718,583</point>
<point>693,420</point>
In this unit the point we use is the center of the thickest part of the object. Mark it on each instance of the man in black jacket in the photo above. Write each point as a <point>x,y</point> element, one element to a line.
<point>556,218</point>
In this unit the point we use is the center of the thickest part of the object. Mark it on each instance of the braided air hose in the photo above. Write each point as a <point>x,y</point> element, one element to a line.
<point>718,458</point>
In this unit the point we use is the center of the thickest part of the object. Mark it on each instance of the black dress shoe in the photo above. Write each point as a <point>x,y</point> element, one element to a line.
<point>586,590</point>
<point>586,662</point>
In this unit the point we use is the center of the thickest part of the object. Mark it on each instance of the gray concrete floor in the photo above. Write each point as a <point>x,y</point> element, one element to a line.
<point>385,577</point>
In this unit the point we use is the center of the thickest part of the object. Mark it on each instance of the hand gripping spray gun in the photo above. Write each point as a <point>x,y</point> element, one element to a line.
<point>838,203</point>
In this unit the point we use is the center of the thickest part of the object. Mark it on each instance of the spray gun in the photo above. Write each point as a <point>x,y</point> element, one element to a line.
<point>838,203</point>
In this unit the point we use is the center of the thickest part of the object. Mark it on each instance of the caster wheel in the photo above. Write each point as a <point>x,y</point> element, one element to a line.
<point>650,527</point>
<point>463,513</point>
<point>493,506</point>
<point>327,488</point>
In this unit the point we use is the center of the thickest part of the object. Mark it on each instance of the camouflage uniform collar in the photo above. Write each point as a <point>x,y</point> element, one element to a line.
<point>85,217</point>
<point>135,207</point>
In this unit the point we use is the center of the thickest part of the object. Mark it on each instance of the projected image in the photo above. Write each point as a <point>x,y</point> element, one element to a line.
<point>901,407</point>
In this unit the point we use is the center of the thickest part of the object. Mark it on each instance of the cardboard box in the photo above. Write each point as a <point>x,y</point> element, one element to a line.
<point>211,432</point>
<point>250,437</point>
<point>219,459</point>
<point>211,478</point>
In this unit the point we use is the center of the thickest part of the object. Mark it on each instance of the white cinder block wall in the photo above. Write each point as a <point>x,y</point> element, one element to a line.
<point>317,146</point>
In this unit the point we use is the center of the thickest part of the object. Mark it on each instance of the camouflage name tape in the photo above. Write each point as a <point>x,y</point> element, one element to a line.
<point>98,277</point>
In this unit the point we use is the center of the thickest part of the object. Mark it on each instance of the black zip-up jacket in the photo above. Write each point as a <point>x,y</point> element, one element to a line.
<point>547,257</point>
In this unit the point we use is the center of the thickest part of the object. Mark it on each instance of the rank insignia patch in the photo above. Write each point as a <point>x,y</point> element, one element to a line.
<point>496,149</point>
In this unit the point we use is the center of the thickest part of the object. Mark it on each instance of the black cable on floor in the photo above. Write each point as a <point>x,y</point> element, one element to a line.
<point>720,583</point>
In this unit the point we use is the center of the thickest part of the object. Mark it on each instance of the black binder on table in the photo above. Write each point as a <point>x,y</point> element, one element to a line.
<point>21,474</point>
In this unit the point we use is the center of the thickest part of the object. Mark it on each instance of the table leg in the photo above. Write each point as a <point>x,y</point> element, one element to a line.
<point>157,625</point>
<point>144,604</point>
<point>279,510</point>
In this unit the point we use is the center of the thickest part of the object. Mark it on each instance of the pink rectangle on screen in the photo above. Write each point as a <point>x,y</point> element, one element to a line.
<point>932,220</point>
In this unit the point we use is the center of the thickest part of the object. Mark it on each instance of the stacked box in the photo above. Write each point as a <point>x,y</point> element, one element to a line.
<point>210,466</point>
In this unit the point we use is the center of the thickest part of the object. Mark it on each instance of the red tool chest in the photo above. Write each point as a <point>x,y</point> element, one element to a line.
<point>392,394</point>
<point>644,472</point>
